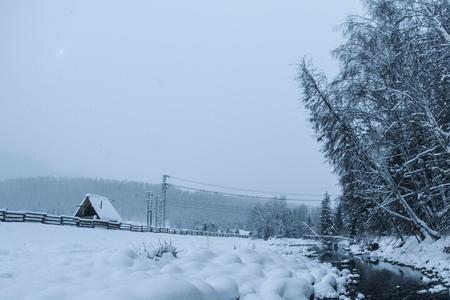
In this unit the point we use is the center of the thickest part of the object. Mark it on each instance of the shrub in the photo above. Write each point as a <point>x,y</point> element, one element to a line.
<point>156,252</point>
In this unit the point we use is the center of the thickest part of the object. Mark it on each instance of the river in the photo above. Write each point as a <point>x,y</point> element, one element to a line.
<point>377,279</point>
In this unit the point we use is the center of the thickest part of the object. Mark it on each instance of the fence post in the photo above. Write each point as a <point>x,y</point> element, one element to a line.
<point>17,216</point>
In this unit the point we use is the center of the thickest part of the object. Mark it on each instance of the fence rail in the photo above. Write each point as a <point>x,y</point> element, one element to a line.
<point>333,238</point>
<point>38,217</point>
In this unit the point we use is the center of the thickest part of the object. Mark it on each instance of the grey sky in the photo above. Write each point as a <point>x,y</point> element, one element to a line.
<point>135,89</point>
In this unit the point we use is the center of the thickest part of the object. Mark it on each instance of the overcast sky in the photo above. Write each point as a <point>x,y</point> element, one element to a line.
<point>136,89</point>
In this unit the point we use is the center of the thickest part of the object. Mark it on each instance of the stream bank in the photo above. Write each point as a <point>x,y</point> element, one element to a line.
<point>431,257</point>
<point>378,279</point>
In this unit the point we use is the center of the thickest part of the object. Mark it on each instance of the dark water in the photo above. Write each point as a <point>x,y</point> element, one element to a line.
<point>380,280</point>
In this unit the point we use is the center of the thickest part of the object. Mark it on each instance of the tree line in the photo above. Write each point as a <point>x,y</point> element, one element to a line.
<point>61,195</point>
<point>276,219</point>
<point>185,209</point>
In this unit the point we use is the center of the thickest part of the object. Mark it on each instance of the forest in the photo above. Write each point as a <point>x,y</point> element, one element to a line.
<point>185,209</point>
<point>61,195</point>
<point>384,120</point>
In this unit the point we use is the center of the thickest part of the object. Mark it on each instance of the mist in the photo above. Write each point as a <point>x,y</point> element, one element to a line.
<point>197,89</point>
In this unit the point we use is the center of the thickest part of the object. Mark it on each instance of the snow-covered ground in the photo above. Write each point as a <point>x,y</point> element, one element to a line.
<point>60,262</point>
<point>429,256</point>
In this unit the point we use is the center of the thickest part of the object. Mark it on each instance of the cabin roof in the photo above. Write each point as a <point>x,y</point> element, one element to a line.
<point>103,207</point>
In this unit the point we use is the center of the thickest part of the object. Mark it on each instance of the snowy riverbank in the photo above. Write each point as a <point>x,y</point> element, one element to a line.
<point>58,262</point>
<point>427,256</point>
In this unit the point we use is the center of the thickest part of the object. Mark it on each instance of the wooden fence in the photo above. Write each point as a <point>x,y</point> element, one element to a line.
<point>328,238</point>
<point>37,217</point>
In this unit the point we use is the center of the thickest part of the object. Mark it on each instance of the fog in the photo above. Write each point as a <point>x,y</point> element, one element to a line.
<point>135,89</point>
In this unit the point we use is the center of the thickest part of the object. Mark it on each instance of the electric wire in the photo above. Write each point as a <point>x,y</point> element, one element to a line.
<point>222,207</point>
<point>244,195</point>
<point>243,189</point>
<point>225,210</point>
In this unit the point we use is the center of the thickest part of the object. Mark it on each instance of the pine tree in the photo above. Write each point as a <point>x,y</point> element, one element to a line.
<point>338,222</point>
<point>326,217</point>
<point>309,221</point>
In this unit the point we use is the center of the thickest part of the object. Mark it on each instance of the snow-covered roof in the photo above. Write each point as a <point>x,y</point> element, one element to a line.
<point>103,207</point>
<point>244,232</point>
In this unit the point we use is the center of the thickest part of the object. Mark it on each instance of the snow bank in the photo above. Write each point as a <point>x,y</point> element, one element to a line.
<point>428,256</point>
<point>54,262</point>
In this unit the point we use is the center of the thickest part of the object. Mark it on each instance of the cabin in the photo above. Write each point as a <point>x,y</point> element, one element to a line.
<point>97,207</point>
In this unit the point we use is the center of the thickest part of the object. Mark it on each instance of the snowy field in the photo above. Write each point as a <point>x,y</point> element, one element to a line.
<point>59,262</point>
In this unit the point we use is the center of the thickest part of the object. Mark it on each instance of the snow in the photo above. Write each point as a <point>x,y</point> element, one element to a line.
<point>437,289</point>
<point>324,290</point>
<point>244,232</point>
<point>426,279</point>
<point>103,207</point>
<point>46,262</point>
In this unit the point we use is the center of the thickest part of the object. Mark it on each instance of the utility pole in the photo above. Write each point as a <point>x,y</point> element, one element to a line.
<point>157,207</point>
<point>156,211</point>
<point>149,200</point>
<point>164,187</point>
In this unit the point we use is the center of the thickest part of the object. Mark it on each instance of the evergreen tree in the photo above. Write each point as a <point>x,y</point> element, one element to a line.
<point>309,221</point>
<point>326,217</point>
<point>338,222</point>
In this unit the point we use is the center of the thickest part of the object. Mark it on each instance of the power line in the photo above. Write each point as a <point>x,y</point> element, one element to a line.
<point>212,205</point>
<point>224,209</point>
<point>245,190</point>
<point>227,209</point>
<point>210,208</point>
<point>245,195</point>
